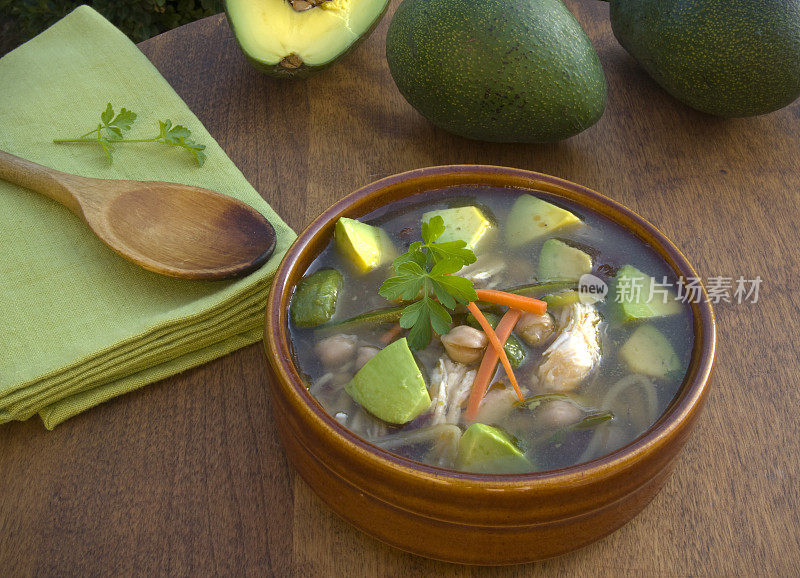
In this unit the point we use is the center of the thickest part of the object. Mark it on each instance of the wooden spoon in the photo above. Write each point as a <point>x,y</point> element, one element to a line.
<point>172,229</point>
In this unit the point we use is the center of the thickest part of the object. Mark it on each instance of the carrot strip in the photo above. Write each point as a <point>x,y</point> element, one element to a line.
<point>528,304</point>
<point>490,358</point>
<point>390,335</point>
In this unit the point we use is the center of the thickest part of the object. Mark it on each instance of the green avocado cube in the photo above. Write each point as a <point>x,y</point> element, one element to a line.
<point>390,386</point>
<point>314,300</point>
<point>532,218</point>
<point>557,260</point>
<point>466,224</point>
<point>649,352</point>
<point>365,246</point>
<point>640,298</point>
<point>487,450</point>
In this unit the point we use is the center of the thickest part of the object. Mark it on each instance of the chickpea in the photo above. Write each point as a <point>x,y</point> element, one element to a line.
<point>336,350</point>
<point>558,413</point>
<point>465,344</point>
<point>535,329</point>
<point>365,353</point>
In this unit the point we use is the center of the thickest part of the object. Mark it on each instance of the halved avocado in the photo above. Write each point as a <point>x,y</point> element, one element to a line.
<point>295,38</point>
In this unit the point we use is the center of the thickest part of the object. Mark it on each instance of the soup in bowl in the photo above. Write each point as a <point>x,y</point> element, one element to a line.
<point>485,365</point>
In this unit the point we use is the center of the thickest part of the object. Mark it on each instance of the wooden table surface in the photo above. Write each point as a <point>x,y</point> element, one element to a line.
<point>187,477</point>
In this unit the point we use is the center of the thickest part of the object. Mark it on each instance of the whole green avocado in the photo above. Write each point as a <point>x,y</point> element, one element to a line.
<point>497,70</point>
<point>723,57</point>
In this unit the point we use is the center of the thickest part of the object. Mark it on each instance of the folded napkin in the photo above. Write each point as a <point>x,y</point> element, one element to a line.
<point>79,324</point>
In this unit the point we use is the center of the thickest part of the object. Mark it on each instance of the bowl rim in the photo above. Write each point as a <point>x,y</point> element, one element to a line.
<point>681,409</point>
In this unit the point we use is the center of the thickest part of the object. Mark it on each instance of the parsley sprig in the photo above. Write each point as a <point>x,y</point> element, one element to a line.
<point>111,128</point>
<point>425,275</point>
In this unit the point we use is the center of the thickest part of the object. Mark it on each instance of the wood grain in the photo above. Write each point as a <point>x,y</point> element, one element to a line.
<point>186,476</point>
<point>170,228</point>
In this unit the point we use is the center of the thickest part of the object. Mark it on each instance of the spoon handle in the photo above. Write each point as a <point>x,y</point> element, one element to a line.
<point>49,182</point>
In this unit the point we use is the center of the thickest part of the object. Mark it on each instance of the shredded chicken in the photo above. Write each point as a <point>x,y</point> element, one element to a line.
<point>484,271</point>
<point>451,383</point>
<point>366,425</point>
<point>574,353</point>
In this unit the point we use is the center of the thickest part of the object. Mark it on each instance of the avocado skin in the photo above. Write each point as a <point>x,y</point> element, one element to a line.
<point>724,57</point>
<point>497,70</point>
<point>304,70</point>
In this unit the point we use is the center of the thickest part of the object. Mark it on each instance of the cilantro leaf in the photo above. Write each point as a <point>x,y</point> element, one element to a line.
<point>414,254</point>
<point>420,318</point>
<point>453,250</point>
<point>460,288</point>
<point>173,134</point>
<point>124,120</point>
<point>425,274</point>
<point>420,335</point>
<point>113,125</point>
<point>107,115</point>
<point>432,229</point>
<point>440,318</point>
<point>197,151</point>
<point>447,267</point>
<point>442,295</point>
<point>406,285</point>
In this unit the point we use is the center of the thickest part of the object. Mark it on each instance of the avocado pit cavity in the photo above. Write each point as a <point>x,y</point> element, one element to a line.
<point>303,5</point>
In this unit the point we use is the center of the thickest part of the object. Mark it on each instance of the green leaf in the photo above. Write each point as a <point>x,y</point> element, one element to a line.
<point>432,229</point>
<point>421,318</point>
<point>414,254</point>
<point>416,317</point>
<point>107,115</point>
<point>176,134</point>
<point>198,154</point>
<point>123,120</point>
<point>439,317</point>
<point>420,336</point>
<point>442,294</point>
<point>453,250</point>
<point>412,313</point>
<point>461,289</point>
<point>411,268</point>
<point>405,288</point>
<point>446,267</point>
<point>425,274</point>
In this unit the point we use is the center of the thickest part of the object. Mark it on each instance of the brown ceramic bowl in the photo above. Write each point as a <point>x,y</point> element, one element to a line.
<point>464,517</point>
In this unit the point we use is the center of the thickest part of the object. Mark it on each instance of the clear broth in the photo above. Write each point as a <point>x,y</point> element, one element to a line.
<point>637,403</point>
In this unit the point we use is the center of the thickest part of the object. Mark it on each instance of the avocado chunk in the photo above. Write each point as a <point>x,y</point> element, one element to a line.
<point>532,218</point>
<point>466,224</point>
<point>390,386</point>
<point>649,352</point>
<point>720,57</point>
<point>496,70</point>
<point>314,300</point>
<point>639,298</point>
<point>487,450</point>
<point>559,261</point>
<point>295,38</point>
<point>365,246</point>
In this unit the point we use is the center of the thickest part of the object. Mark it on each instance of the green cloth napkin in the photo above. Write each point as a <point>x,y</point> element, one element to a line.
<point>79,324</point>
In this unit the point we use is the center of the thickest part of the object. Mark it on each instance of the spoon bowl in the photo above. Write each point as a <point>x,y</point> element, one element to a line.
<point>169,228</point>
